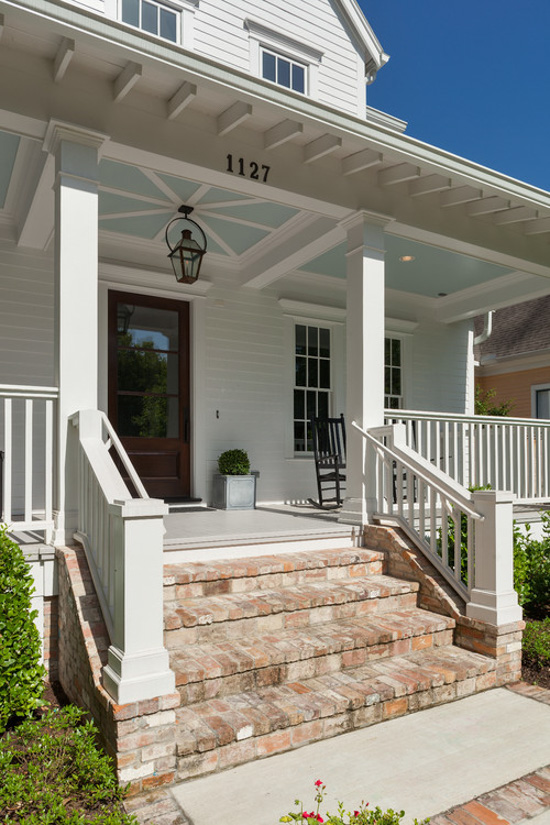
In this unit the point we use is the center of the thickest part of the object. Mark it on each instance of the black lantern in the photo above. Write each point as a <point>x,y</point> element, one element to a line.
<point>186,256</point>
<point>123,316</point>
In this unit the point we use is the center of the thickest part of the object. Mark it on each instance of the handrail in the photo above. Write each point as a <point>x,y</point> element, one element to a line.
<point>434,510</point>
<point>496,452</point>
<point>122,537</point>
<point>24,391</point>
<point>465,418</point>
<point>123,457</point>
<point>413,464</point>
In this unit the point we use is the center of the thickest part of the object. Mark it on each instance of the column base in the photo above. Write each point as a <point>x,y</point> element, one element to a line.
<point>494,608</point>
<point>134,678</point>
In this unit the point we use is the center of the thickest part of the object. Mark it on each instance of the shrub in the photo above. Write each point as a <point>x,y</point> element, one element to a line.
<point>21,674</point>
<point>532,569</point>
<point>234,463</point>
<point>363,816</point>
<point>536,644</point>
<point>484,403</point>
<point>54,772</point>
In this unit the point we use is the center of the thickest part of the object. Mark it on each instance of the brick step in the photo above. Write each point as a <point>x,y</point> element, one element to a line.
<point>233,615</point>
<point>184,581</point>
<point>222,733</point>
<point>206,671</point>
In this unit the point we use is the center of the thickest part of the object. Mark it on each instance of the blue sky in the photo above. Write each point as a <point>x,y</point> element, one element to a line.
<point>472,77</point>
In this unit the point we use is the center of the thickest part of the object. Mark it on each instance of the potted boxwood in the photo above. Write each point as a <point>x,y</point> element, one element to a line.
<point>234,484</point>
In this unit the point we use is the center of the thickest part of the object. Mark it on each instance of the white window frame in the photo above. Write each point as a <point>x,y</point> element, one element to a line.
<point>185,10</point>
<point>333,318</point>
<point>292,62</point>
<point>393,336</point>
<point>534,389</point>
<point>261,37</point>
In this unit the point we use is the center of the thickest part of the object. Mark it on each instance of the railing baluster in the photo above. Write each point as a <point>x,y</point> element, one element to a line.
<point>8,464</point>
<point>28,458</point>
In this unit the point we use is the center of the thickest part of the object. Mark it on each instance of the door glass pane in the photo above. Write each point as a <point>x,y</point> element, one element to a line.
<point>299,436</point>
<point>312,372</point>
<point>147,371</point>
<point>147,416</point>
<point>151,328</point>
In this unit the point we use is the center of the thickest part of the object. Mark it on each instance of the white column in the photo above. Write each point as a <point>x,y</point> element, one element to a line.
<point>76,153</point>
<point>365,357</point>
<point>493,598</point>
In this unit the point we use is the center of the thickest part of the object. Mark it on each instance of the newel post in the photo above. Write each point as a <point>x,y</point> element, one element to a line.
<point>493,599</point>
<point>138,666</point>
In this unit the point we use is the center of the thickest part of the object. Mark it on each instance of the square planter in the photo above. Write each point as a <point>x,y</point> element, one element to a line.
<point>234,492</point>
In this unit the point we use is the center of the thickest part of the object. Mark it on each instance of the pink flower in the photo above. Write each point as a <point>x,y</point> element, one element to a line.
<point>318,783</point>
<point>319,818</point>
<point>356,813</point>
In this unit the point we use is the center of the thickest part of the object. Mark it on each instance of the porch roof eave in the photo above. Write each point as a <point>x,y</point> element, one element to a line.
<point>200,69</point>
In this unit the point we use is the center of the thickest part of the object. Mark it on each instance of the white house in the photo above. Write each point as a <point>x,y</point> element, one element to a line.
<point>344,266</point>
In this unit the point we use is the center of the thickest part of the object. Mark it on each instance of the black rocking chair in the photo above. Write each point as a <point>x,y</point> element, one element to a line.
<point>329,448</point>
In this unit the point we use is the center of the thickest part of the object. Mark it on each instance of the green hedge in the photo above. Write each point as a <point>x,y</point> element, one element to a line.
<point>532,570</point>
<point>21,674</point>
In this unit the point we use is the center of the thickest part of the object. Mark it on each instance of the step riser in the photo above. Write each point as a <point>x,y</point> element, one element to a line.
<point>174,592</point>
<point>239,628</point>
<point>284,672</point>
<point>315,726</point>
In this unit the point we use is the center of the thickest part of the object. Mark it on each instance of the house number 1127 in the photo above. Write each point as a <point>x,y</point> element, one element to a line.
<point>238,166</point>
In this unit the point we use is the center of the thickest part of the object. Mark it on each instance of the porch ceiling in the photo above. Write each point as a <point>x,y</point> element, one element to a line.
<point>137,204</point>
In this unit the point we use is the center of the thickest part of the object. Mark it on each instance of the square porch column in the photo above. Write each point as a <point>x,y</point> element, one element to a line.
<point>76,153</point>
<point>365,356</point>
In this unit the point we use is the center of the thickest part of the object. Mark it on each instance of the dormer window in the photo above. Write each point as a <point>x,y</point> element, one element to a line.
<point>284,71</point>
<point>153,18</point>
<point>280,59</point>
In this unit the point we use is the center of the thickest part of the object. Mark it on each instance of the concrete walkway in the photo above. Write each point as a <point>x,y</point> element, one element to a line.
<point>429,763</point>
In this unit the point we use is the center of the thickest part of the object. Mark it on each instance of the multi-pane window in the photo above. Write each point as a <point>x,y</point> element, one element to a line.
<point>542,402</point>
<point>283,71</point>
<point>393,374</point>
<point>312,381</point>
<point>151,17</point>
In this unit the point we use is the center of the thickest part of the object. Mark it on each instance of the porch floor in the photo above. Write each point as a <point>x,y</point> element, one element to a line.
<point>208,529</point>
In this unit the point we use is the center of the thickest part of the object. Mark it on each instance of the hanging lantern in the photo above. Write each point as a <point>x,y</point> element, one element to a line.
<point>186,256</point>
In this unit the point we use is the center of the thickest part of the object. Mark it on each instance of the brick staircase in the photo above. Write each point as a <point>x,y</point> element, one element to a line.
<point>274,652</point>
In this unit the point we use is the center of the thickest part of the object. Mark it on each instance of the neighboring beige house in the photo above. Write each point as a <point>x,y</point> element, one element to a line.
<point>515,359</point>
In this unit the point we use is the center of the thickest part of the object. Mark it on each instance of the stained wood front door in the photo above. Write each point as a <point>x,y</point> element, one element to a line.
<point>149,388</point>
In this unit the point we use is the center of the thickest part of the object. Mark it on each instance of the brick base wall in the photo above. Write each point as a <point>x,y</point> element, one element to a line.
<point>50,647</point>
<point>404,560</point>
<point>140,736</point>
<point>501,643</point>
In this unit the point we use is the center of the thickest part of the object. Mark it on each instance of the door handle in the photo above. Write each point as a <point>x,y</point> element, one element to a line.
<point>186,425</point>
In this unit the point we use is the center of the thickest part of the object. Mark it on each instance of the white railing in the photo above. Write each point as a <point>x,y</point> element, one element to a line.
<point>480,451</point>
<point>123,540</point>
<point>436,512</point>
<point>27,416</point>
<point>467,536</point>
